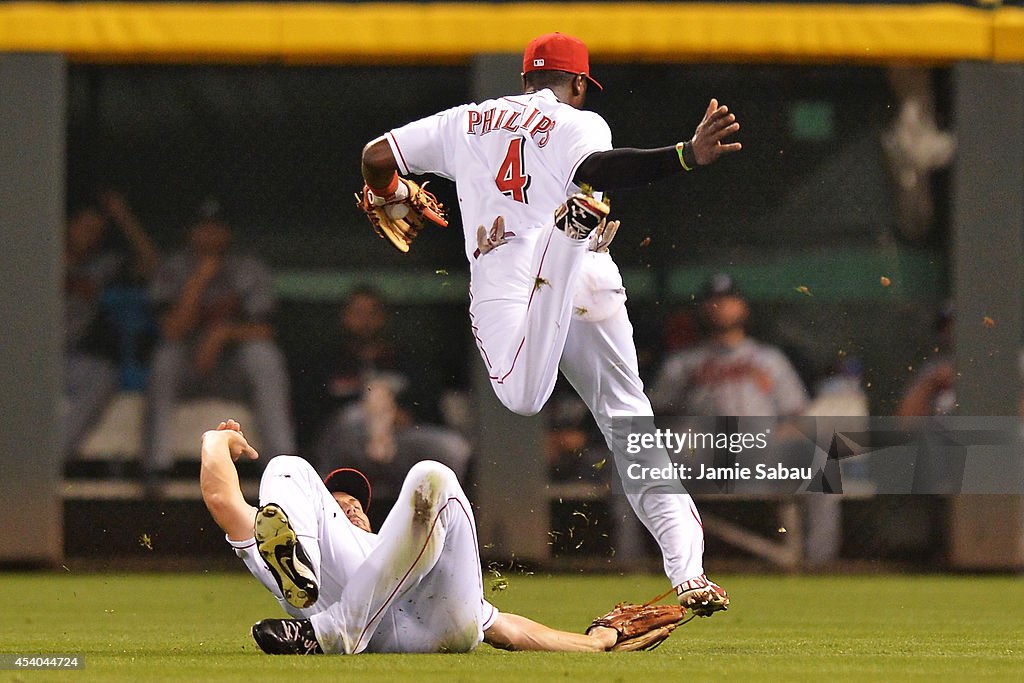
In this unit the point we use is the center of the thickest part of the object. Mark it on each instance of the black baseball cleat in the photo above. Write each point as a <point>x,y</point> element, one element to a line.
<point>280,549</point>
<point>286,637</point>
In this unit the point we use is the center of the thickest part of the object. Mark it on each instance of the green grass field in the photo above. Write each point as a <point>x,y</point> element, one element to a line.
<point>148,627</point>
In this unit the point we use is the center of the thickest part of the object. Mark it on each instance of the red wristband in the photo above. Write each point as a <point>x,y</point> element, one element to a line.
<point>386,191</point>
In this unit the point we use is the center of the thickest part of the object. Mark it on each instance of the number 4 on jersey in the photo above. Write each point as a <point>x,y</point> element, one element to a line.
<point>511,179</point>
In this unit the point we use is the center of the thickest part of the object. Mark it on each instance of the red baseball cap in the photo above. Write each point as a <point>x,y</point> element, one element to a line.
<point>351,481</point>
<point>558,52</point>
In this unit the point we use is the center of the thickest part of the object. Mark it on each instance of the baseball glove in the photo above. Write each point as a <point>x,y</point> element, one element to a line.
<point>400,216</point>
<point>640,627</point>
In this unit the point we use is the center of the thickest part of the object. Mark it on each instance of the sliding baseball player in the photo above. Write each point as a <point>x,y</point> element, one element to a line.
<point>416,586</point>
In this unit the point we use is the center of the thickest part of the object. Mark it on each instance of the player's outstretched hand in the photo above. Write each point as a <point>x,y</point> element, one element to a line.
<point>237,445</point>
<point>231,424</point>
<point>707,141</point>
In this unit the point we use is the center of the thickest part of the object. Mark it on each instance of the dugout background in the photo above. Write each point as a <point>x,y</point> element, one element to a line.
<point>279,146</point>
<point>808,203</point>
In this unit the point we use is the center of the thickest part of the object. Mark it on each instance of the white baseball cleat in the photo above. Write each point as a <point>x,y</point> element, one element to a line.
<point>702,596</point>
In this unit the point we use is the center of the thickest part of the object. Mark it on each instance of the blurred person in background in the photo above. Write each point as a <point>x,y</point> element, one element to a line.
<point>573,445</point>
<point>362,347</point>
<point>839,394</point>
<point>347,358</point>
<point>214,306</point>
<point>841,390</point>
<point>380,436</point>
<point>729,373</point>
<point>931,391</point>
<point>105,246</point>
<point>368,403</point>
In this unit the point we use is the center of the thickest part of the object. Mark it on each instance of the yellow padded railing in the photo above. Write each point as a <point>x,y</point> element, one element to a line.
<point>454,32</point>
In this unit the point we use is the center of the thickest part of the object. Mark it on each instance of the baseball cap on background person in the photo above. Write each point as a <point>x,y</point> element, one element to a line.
<point>558,52</point>
<point>719,284</point>
<point>351,481</point>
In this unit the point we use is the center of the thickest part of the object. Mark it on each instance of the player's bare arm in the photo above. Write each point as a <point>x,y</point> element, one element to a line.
<point>628,167</point>
<point>378,163</point>
<point>514,632</point>
<point>218,479</point>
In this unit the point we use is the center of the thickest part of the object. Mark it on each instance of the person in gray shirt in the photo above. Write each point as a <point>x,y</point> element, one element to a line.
<point>729,373</point>
<point>214,305</point>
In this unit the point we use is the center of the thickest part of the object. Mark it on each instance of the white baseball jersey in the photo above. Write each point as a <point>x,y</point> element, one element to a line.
<point>415,586</point>
<point>513,157</point>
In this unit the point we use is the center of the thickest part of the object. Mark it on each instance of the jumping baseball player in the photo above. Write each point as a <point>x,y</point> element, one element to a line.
<point>545,294</point>
<point>414,587</point>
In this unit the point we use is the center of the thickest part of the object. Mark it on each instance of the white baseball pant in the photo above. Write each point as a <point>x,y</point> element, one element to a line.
<point>521,313</point>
